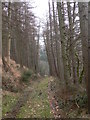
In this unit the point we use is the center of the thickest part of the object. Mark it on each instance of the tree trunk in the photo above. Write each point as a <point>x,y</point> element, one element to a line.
<point>71,39</point>
<point>9,33</point>
<point>62,40</point>
<point>83,10</point>
<point>51,38</point>
<point>58,54</point>
<point>37,51</point>
<point>89,57</point>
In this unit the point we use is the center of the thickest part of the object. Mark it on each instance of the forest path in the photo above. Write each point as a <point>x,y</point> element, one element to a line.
<point>37,105</point>
<point>21,101</point>
<point>37,101</point>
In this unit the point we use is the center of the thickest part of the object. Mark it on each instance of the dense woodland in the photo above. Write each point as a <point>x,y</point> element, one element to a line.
<point>65,54</point>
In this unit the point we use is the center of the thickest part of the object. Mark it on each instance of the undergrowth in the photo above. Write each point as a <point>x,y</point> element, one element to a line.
<point>71,100</point>
<point>26,75</point>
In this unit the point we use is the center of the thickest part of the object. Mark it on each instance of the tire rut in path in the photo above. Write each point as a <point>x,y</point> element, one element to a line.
<point>21,102</point>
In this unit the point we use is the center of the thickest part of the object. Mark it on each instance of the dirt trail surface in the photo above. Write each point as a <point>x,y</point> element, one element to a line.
<point>37,105</point>
<point>37,101</point>
<point>33,103</point>
<point>21,101</point>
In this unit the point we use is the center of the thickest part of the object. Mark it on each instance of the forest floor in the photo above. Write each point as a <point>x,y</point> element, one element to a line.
<point>41,97</point>
<point>40,100</point>
<point>70,101</point>
<point>37,105</point>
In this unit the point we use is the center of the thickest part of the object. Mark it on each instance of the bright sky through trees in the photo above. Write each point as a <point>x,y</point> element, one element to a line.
<point>41,8</point>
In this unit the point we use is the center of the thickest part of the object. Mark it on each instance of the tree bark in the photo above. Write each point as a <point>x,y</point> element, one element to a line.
<point>9,33</point>
<point>62,40</point>
<point>58,54</point>
<point>89,57</point>
<point>71,39</point>
<point>83,10</point>
<point>51,38</point>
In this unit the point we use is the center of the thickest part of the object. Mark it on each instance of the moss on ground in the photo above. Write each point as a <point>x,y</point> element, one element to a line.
<point>7,103</point>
